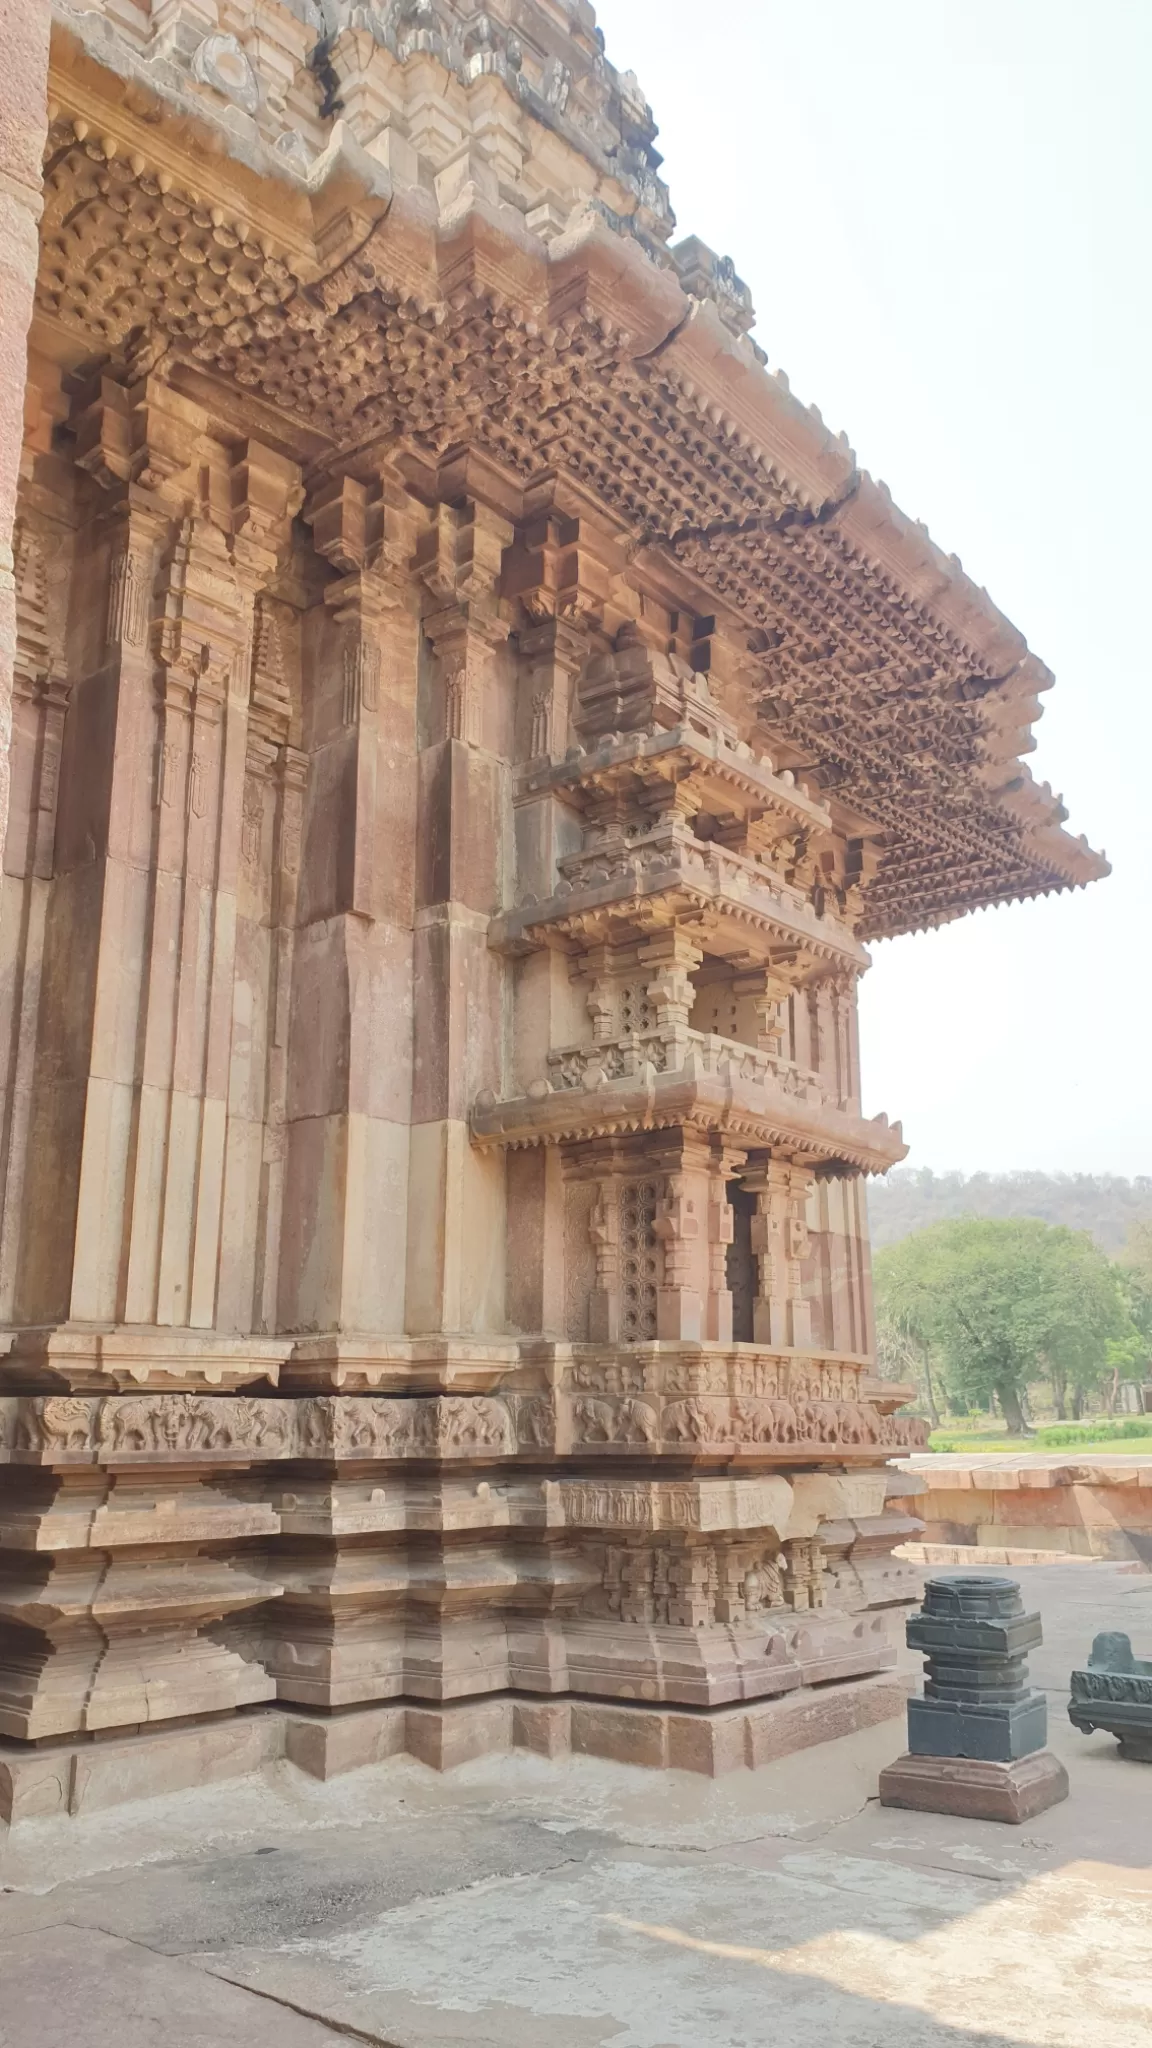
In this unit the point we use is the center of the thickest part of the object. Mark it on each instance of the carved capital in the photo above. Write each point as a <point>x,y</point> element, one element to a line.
<point>141,433</point>
<point>557,574</point>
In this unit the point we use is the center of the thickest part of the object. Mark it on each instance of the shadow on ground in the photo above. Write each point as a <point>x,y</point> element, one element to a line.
<point>531,1905</point>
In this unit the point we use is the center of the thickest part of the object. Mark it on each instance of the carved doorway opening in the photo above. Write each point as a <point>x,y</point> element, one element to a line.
<point>742,1275</point>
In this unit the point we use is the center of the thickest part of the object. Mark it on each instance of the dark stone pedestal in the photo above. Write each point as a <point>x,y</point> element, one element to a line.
<point>977,1701</point>
<point>1115,1692</point>
<point>976,1739</point>
<point>998,1733</point>
<point>973,1790</point>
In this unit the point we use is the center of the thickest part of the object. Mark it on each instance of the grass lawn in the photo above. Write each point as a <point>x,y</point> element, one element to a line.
<point>1134,1432</point>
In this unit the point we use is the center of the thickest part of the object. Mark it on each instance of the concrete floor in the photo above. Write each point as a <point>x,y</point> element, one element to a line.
<point>520,1904</point>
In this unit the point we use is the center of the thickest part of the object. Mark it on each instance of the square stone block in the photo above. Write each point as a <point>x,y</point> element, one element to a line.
<point>998,1731</point>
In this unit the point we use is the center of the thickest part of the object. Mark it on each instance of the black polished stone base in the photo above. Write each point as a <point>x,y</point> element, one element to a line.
<point>997,1731</point>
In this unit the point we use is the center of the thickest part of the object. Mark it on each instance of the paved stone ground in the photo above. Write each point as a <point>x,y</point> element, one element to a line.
<point>519,1904</point>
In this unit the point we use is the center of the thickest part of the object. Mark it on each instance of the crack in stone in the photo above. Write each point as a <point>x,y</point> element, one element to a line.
<point>335,2026</point>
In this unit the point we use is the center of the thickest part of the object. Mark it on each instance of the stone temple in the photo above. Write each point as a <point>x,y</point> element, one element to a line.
<point>468,720</point>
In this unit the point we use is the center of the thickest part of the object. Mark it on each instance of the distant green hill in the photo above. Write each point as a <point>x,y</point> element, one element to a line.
<point>1104,1204</point>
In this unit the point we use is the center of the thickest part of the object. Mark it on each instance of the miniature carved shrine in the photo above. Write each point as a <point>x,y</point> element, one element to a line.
<point>468,721</point>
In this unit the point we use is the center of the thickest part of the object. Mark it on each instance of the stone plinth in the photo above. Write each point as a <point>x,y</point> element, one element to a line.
<point>1097,1504</point>
<point>976,1791</point>
<point>976,1737</point>
<point>79,1777</point>
<point>1114,1691</point>
<point>178,1553</point>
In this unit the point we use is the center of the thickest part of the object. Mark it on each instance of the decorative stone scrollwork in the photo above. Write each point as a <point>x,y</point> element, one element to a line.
<point>252,824</point>
<point>361,677</point>
<point>220,62</point>
<point>127,601</point>
<point>640,1259</point>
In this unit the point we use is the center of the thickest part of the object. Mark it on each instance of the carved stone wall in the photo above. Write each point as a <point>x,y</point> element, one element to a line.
<point>449,799</point>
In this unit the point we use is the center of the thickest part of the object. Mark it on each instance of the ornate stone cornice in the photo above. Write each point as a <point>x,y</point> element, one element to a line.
<point>720,1087</point>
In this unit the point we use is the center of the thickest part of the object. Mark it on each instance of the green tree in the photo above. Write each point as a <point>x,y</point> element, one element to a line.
<point>903,1354</point>
<point>1005,1302</point>
<point>1134,1362</point>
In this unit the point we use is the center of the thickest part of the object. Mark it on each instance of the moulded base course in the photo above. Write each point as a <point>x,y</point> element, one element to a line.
<point>655,1738</point>
<point>973,1789</point>
<point>78,1777</point>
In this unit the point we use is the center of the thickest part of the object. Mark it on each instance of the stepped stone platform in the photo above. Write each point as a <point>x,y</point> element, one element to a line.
<point>1012,1506</point>
<point>596,1902</point>
<point>85,1777</point>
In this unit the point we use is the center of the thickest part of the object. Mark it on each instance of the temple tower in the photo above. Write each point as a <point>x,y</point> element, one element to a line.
<point>469,720</point>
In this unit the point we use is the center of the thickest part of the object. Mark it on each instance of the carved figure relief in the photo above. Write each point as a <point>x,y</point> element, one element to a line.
<point>541,739</point>
<point>474,1424</point>
<point>614,1422</point>
<point>698,1585</point>
<point>804,1573</point>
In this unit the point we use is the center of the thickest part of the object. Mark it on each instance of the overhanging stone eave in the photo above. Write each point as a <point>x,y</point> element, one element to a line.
<point>743,399</point>
<point>481,247</point>
<point>609,762</point>
<point>665,1351</point>
<point>1072,863</point>
<point>576,914</point>
<point>1094,867</point>
<point>827,1137</point>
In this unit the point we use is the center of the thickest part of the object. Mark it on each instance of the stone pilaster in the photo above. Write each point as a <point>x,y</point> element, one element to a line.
<point>349,1067</point>
<point>604,1305</point>
<point>682,1225</point>
<point>670,958</point>
<point>99,916</point>
<point>40,700</point>
<point>770,1004</point>
<point>721,1234</point>
<point>456,1199</point>
<point>780,1242</point>
<point>24,32</point>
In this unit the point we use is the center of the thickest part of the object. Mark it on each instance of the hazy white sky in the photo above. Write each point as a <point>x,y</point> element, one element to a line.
<point>943,211</point>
